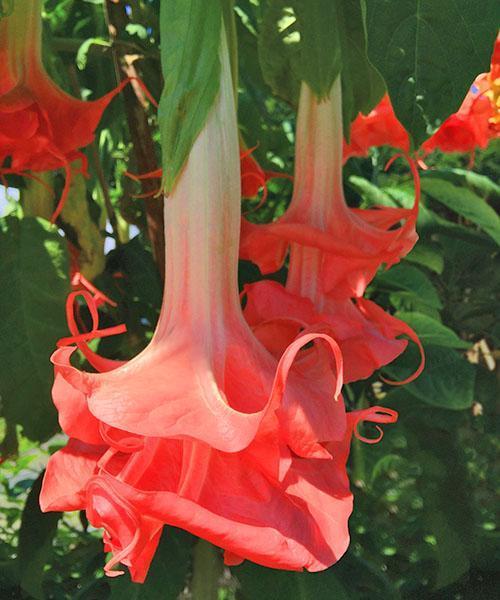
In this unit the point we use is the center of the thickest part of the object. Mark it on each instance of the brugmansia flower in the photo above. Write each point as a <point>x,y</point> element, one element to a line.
<point>352,243</point>
<point>334,252</point>
<point>468,128</point>
<point>205,429</point>
<point>41,126</point>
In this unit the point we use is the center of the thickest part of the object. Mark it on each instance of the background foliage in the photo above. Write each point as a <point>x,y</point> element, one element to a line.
<point>424,523</point>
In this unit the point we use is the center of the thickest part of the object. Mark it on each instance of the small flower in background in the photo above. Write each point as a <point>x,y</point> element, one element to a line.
<point>41,127</point>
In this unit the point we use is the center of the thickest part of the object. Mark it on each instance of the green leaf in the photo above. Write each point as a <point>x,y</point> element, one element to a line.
<point>35,542</point>
<point>259,582</point>
<point>83,50</point>
<point>278,47</point>
<point>465,203</point>
<point>429,53</point>
<point>480,184</point>
<point>191,77</point>
<point>371,194</point>
<point>362,84</point>
<point>412,281</point>
<point>428,255</point>
<point>34,269</point>
<point>320,55</point>
<point>315,41</point>
<point>167,574</point>
<point>431,331</point>
<point>447,380</point>
<point>450,551</point>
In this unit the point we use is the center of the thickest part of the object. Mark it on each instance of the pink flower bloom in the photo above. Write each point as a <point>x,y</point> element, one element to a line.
<point>468,128</point>
<point>472,126</point>
<point>205,429</point>
<point>348,244</point>
<point>334,253</point>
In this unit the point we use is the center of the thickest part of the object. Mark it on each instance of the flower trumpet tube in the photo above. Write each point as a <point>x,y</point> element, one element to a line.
<point>41,126</point>
<point>334,253</point>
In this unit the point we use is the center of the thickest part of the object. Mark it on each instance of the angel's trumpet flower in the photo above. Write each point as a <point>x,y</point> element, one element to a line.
<point>207,376</point>
<point>334,252</point>
<point>41,126</point>
<point>205,429</point>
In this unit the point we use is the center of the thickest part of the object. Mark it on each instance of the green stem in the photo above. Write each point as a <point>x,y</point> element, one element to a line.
<point>207,569</point>
<point>358,456</point>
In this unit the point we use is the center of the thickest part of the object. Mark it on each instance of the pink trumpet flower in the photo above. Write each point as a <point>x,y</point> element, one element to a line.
<point>205,429</point>
<point>334,253</point>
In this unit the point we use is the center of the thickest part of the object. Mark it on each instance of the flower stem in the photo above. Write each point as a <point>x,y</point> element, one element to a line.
<point>207,569</point>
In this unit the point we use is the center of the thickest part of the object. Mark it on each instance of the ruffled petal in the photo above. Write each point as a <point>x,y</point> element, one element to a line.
<point>131,537</point>
<point>68,472</point>
<point>366,334</point>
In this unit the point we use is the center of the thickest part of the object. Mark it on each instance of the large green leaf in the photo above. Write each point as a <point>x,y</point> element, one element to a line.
<point>447,380</point>
<point>428,255</point>
<point>362,84</point>
<point>412,282</point>
<point>431,331</point>
<point>278,46</point>
<point>34,272</point>
<point>320,55</point>
<point>35,542</point>
<point>191,77</point>
<point>451,552</point>
<point>259,582</point>
<point>464,202</point>
<point>480,184</point>
<point>429,53</point>
<point>315,41</point>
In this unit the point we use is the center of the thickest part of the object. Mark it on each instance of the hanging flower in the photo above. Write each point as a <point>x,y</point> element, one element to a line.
<point>41,126</point>
<point>334,253</point>
<point>366,334</point>
<point>205,429</point>
<point>468,128</point>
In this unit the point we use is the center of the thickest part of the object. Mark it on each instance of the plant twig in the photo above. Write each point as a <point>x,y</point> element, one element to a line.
<point>140,132</point>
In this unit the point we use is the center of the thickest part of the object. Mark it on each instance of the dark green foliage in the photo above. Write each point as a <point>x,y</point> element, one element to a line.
<point>191,77</point>
<point>35,282</point>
